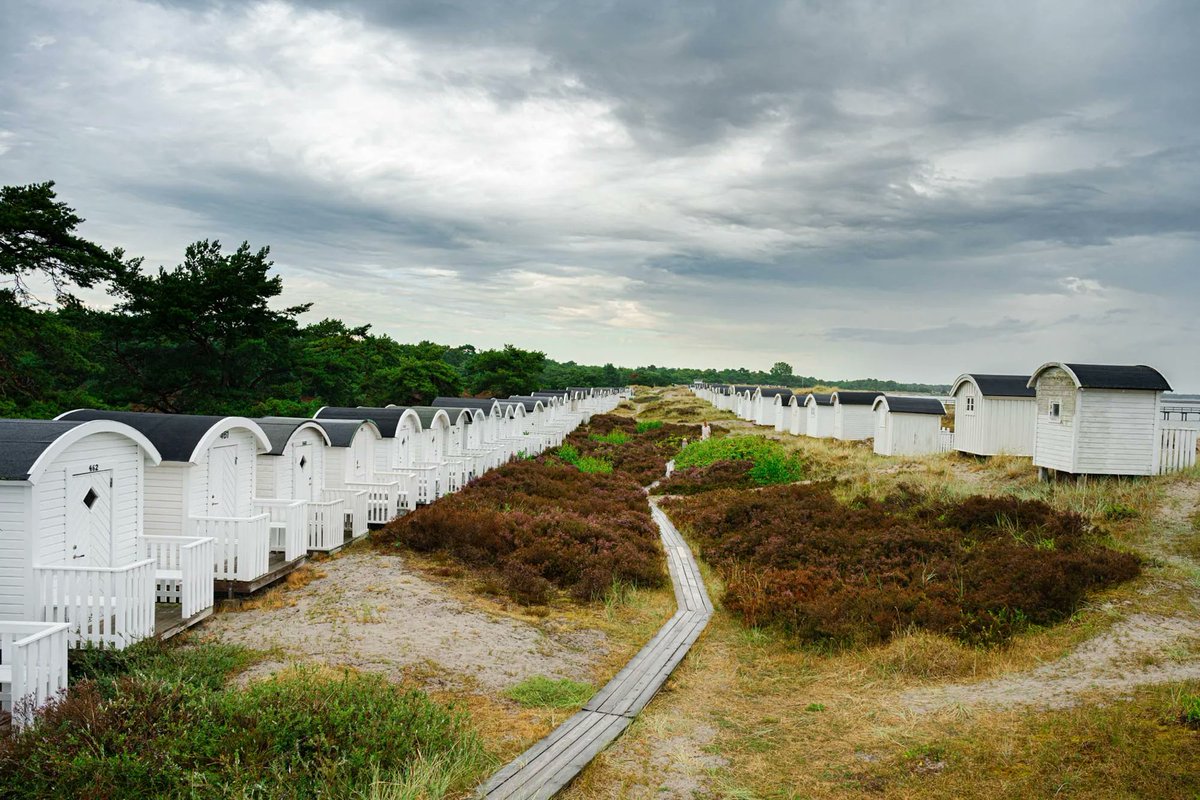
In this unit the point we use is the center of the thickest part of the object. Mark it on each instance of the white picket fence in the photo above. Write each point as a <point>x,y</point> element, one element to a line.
<point>183,571</point>
<point>1177,449</point>
<point>241,545</point>
<point>33,666</point>
<point>102,606</point>
<point>289,525</point>
<point>354,503</point>
<point>326,524</point>
<point>945,440</point>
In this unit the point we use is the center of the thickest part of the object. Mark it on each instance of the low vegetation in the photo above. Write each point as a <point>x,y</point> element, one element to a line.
<point>541,528</point>
<point>159,721</point>
<point>732,462</point>
<point>542,692</point>
<point>979,569</point>
<point>636,450</point>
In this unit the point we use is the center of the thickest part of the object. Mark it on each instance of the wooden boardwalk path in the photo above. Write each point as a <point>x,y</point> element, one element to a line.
<point>542,770</point>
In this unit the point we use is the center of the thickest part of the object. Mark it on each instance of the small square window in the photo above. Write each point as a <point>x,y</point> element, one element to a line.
<point>1056,410</point>
<point>970,405</point>
<point>90,498</point>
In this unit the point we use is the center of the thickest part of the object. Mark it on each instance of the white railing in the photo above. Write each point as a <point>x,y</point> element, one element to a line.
<point>103,606</point>
<point>354,506</point>
<point>458,470</point>
<point>1177,449</point>
<point>382,499</point>
<point>289,525</point>
<point>424,476</point>
<point>33,666</point>
<point>182,571</point>
<point>326,524</point>
<point>241,545</point>
<point>945,440</point>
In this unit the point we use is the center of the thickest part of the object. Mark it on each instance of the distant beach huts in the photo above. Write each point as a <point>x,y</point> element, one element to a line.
<point>819,415</point>
<point>854,415</point>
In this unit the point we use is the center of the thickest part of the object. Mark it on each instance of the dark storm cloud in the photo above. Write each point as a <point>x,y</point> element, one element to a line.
<point>923,173</point>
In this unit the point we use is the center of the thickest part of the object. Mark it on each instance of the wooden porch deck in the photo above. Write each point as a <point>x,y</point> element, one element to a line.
<point>542,770</point>
<point>277,569</point>
<point>169,621</point>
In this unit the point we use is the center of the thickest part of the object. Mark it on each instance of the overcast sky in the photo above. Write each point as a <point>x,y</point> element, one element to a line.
<point>906,190</point>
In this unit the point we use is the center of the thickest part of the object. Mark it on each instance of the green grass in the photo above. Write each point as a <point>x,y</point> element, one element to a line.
<point>592,464</point>
<point>773,464</point>
<point>542,692</point>
<point>615,436</point>
<point>162,721</point>
<point>649,425</point>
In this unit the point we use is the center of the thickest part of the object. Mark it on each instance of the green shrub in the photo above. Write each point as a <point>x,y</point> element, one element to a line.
<point>568,453</point>
<point>1189,713</point>
<point>543,692</point>
<point>297,735</point>
<point>615,436</point>
<point>773,464</point>
<point>648,425</point>
<point>594,465</point>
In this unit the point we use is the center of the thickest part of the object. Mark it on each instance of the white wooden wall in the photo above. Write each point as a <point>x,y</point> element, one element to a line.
<point>853,423</point>
<point>819,421</point>
<point>1054,440</point>
<point>278,475</point>
<point>899,434</point>
<point>1117,433</point>
<point>199,503</point>
<point>998,425</point>
<point>33,519</point>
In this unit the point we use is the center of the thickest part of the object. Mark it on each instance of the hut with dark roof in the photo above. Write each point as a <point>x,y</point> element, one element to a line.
<point>818,415</point>
<point>1098,419</point>
<point>350,474</point>
<point>205,487</point>
<point>767,405</point>
<point>793,417</point>
<point>994,414</point>
<point>854,415</point>
<point>73,546</point>
<point>907,426</point>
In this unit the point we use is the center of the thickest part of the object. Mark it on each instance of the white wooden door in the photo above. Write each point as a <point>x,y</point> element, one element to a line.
<point>302,471</point>
<point>222,481</point>
<point>360,455</point>
<point>90,518</point>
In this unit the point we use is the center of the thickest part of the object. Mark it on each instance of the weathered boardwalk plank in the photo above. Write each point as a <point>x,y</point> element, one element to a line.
<point>542,770</point>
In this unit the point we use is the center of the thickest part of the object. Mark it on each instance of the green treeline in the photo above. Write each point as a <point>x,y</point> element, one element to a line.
<point>209,336</point>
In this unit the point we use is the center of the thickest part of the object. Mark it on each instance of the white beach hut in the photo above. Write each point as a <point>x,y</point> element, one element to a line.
<point>767,405</point>
<point>487,437</point>
<point>1098,419</point>
<point>796,415</point>
<point>205,487</point>
<point>853,415</point>
<point>350,474</point>
<point>818,415</point>
<point>907,426</point>
<point>994,414</point>
<point>394,454</point>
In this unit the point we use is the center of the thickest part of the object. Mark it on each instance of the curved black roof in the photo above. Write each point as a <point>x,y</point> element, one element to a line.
<point>820,398</point>
<point>776,392</point>
<point>386,419</point>
<point>740,389</point>
<point>485,405</point>
<point>857,398</point>
<point>459,413</point>
<point>551,393</point>
<point>1107,376</point>
<point>914,405</point>
<point>1002,385</point>
<point>427,413</point>
<point>340,431</point>
<point>174,435</point>
<point>280,429</point>
<point>530,403</point>
<point>22,441</point>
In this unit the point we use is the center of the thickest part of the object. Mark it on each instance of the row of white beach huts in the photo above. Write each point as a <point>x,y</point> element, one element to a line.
<point>1076,419</point>
<point>120,526</point>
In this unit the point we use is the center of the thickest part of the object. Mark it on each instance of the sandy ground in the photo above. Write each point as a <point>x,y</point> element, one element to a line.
<point>370,612</point>
<point>1143,649</point>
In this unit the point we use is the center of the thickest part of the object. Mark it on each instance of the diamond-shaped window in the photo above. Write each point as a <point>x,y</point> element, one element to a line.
<point>90,498</point>
<point>303,462</point>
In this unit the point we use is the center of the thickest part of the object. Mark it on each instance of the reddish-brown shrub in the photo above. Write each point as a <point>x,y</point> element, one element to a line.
<point>720,475</point>
<point>542,526</point>
<point>981,569</point>
<point>643,457</point>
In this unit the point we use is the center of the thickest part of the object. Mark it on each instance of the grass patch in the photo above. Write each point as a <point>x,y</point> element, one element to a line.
<point>648,425</point>
<point>542,692</point>
<point>732,462</point>
<point>159,721</point>
<point>615,436</point>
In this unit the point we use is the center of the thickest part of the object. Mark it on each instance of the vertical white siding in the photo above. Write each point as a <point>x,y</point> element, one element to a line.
<point>247,468</point>
<point>14,548</point>
<point>853,423</point>
<point>1117,432</point>
<point>998,425</point>
<point>906,434</point>
<point>819,423</point>
<point>968,426</point>
<point>104,451</point>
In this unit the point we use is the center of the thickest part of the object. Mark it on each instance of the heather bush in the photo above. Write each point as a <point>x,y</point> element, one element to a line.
<point>719,475</point>
<point>639,452</point>
<point>542,528</point>
<point>161,732</point>
<point>980,569</point>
